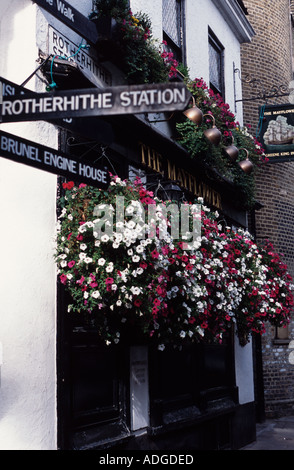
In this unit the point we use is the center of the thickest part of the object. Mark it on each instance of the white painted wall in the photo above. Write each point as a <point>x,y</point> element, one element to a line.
<point>27,275</point>
<point>199,16</point>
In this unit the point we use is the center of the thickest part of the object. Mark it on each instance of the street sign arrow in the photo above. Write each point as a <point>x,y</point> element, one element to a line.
<point>93,128</point>
<point>44,158</point>
<point>120,100</point>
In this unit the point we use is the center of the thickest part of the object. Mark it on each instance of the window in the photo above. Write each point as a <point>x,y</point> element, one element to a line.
<point>172,20</point>
<point>216,65</point>
<point>281,335</point>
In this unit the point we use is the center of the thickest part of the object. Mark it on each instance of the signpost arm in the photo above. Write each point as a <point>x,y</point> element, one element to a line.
<point>35,71</point>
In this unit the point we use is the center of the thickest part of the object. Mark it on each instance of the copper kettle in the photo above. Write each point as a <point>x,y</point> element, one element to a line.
<point>213,135</point>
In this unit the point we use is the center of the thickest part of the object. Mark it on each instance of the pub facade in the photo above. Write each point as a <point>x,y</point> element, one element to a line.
<point>62,387</point>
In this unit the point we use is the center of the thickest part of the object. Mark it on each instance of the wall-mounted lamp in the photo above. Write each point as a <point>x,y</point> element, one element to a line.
<point>194,113</point>
<point>231,151</point>
<point>246,165</point>
<point>213,135</point>
<point>169,190</point>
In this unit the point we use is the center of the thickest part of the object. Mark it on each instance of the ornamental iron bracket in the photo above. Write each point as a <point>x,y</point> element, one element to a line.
<point>259,90</point>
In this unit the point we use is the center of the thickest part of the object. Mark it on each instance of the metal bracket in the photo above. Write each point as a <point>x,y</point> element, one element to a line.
<point>262,94</point>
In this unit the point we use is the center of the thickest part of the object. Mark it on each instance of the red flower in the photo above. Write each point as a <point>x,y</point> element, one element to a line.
<point>63,278</point>
<point>137,302</point>
<point>68,185</point>
<point>154,254</point>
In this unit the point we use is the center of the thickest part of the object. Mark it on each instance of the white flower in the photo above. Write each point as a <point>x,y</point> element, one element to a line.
<point>105,238</point>
<point>135,290</point>
<point>101,262</point>
<point>83,246</point>
<point>86,295</point>
<point>70,217</point>
<point>130,209</point>
<point>161,347</point>
<point>109,268</point>
<point>136,258</point>
<point>95,294</point>
<point>82,228</point>
<point>88,260</point>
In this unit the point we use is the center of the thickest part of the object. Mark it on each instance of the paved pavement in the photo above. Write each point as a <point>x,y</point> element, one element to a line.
<point>274,434</point>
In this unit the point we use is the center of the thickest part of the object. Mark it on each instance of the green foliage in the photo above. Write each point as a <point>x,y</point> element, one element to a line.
<point>192,138</point>
<point>143,58</point>
<point>113,8</point>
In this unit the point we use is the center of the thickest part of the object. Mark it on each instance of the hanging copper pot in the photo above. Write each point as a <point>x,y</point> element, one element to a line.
<point>246,165</point>
<point>213,135</point>
<point>231,151</point>
<point>194,114</point>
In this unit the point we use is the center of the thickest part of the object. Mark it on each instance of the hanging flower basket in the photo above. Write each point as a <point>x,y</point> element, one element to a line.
<point>126,271</point>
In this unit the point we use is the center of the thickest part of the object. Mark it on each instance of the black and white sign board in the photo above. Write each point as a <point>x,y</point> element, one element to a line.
<point>92,128</point>
<point>120,100</point>
<point>61,46</point>
<point>44,158</point>
<point>71,17</point>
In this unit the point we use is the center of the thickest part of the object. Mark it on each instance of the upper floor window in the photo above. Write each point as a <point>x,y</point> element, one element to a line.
<point>173,20</point>
<point>216,65</point>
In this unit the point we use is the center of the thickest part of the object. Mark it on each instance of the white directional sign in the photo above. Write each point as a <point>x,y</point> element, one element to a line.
<point>94,102</point>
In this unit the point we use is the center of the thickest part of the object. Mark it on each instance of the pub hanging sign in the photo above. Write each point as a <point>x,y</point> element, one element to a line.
<point>277,132</point>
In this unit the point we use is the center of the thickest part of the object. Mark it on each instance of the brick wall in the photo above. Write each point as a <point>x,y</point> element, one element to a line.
<point>267,61</point>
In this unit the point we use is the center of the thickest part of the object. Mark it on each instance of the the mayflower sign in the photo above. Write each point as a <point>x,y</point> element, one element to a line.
<point>138,274</point>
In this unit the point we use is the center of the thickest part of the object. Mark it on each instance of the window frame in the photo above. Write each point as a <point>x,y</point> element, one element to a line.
<point>214,42</point>
<point>179,50</point>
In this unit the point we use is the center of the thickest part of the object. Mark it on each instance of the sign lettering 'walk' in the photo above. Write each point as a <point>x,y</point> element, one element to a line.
<point>71,17</point>
<point>45,158</point>
<point>118,100</point>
